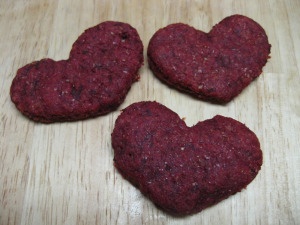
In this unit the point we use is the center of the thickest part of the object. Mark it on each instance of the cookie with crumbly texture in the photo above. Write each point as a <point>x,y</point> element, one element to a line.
<point>214,66</point>
<point>182,169</point>
<point>102,65</point>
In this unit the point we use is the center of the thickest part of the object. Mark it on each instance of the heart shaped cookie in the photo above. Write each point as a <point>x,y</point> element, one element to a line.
<point>214,66</point>
<point>183,169</point>
<point>103,64</point>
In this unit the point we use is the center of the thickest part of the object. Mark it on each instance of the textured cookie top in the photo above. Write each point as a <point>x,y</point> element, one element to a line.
<point>183,170</point>
<point>102,65</point>
<point>214,66</point>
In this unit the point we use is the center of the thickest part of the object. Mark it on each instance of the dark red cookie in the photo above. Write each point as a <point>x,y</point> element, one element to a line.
<point>103,64</point>
<point>214,66</point>
<point>183,169</point>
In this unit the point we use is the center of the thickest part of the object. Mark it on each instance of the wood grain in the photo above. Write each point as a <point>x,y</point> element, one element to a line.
<point>63,173</point>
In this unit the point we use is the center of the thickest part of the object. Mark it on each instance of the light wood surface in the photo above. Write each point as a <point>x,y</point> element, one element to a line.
<point>63,173</point>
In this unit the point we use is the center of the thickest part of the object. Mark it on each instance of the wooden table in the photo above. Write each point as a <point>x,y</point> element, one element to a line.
<point>63,173</point>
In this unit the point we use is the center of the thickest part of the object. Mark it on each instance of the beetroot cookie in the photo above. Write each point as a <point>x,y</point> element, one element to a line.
<point>214,66</point>
<point>183,170</point>
<point>103,63</point>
